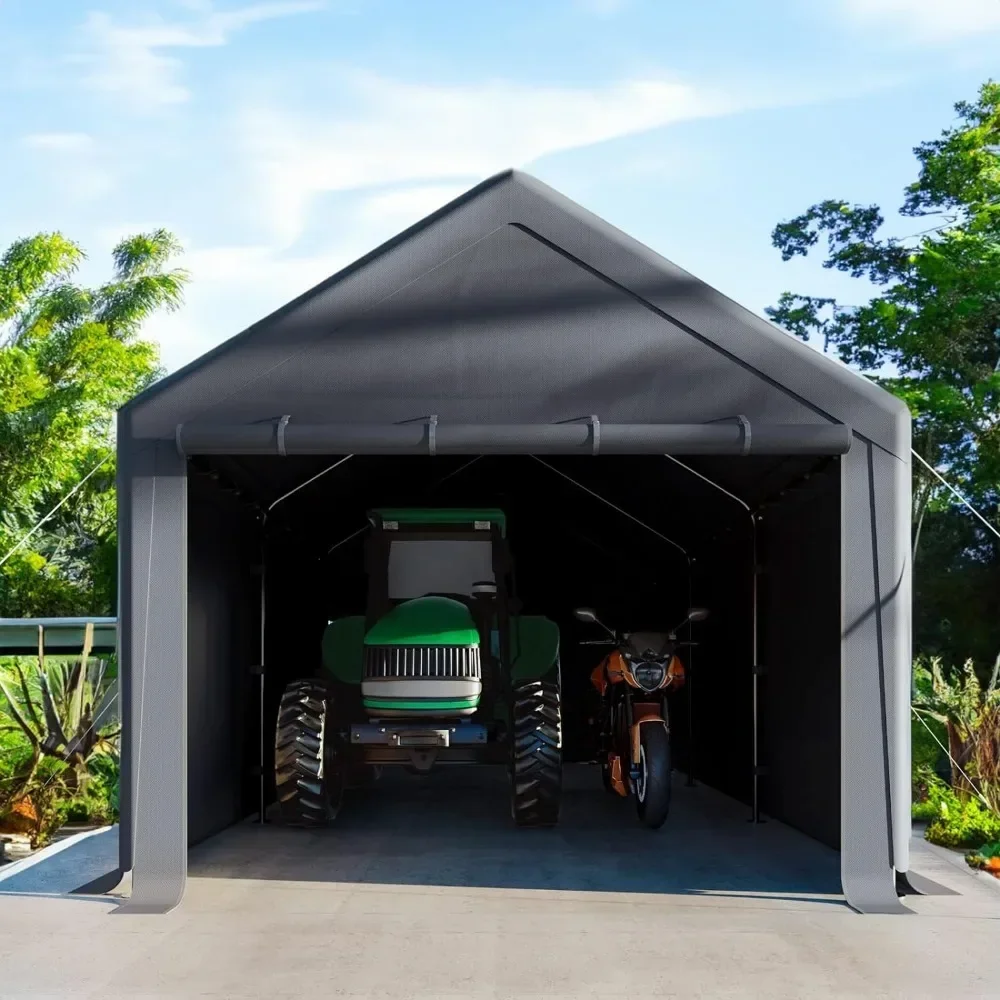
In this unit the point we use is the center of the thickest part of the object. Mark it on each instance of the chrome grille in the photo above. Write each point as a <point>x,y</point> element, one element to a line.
<point>432,662</point>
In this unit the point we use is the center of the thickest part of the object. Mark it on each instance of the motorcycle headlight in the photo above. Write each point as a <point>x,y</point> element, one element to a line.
<point>649,674</point>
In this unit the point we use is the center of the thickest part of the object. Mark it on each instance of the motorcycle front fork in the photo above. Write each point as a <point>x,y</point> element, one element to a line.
<point>608,744</point>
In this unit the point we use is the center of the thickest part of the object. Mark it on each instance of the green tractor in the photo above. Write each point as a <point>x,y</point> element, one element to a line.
<point>442,668</point>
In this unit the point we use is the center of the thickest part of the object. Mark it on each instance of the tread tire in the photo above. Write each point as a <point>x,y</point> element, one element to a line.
<point>536,764</point>
<point>655,807</point>
<point>308,782</point>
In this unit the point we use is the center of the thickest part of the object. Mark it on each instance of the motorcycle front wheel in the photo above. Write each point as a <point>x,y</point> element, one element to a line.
<point>652,789</point>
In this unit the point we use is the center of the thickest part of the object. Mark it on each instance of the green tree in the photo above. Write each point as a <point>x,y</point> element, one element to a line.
<point>931,332</point>
<point>69,357</point>
<point>936,321</point>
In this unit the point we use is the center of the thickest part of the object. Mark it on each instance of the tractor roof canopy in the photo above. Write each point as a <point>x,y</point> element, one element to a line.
<point>443,516</point>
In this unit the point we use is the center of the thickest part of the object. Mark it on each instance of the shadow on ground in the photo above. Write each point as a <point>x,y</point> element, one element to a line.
<point>453,828</point>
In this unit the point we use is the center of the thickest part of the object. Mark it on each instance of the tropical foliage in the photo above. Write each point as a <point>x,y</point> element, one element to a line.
<point>60,742</point>
<point>70,355</point>
<point>963,716</point>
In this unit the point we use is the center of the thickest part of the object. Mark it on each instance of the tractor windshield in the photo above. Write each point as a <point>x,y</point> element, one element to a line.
<point>437,566</point>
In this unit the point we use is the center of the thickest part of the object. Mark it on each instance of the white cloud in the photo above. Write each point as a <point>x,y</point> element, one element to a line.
<point>404,207</point>
<point>128,61</point>
<point>391,152</point>
<point>408,133</point>
<point>60,142</point>
<point>74,163</point>
<point>234,286</point>
<point>927,21</point>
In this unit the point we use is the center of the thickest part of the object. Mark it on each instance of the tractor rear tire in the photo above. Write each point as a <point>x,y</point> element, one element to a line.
<point>536,764</point>
<point>309,781</point>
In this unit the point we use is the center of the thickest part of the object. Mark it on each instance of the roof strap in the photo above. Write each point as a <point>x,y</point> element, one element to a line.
<point>282,424</point>
<point>595,432</point>
<point>745,424</point>
<point>432,422</point>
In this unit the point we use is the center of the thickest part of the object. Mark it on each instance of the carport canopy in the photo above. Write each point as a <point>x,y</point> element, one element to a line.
<point>512,323</point>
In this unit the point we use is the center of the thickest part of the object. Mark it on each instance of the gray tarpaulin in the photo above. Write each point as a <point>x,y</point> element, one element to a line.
<point>511,315</point>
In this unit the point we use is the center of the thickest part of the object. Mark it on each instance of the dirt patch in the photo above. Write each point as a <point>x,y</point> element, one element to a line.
<point>21,817</point>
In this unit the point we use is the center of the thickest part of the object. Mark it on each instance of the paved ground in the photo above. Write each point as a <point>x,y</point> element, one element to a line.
<point>426,891</point>
<point>76,855</point>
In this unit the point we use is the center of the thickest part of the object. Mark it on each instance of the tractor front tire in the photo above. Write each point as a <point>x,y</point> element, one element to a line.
<point>308,780</point>
<point>536,765</point>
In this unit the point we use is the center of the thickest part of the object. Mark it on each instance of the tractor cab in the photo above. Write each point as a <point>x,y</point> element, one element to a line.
<point>437,618</point>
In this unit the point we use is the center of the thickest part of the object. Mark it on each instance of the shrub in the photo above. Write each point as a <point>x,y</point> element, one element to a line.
<point>929,792</point>
<point>959,823</point>
<point>927,754</point>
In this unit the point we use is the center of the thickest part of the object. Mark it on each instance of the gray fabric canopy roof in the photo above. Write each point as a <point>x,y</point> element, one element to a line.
<point>468,297</point>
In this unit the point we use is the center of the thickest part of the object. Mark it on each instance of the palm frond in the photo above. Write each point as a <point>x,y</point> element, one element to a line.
<point>55,737</point>
<point>29,702</point>
<point>30,265</point>
<point>15,712</point>
<point>144,254</point>
<point>124,305</point>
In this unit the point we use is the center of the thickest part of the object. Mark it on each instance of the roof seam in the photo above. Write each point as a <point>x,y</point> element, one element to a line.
<point>675,322</point>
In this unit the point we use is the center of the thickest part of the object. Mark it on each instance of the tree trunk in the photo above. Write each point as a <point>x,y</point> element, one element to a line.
<point>960,750</point>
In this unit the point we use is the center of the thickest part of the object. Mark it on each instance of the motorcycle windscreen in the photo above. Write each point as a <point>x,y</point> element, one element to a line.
<point>649,644</point>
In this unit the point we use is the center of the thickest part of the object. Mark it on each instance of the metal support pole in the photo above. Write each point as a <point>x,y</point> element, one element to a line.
<point>755,817</point>
<point>262,668</point>
<point>755,666</point>
<point>690,686</point>
<point>282,425</point>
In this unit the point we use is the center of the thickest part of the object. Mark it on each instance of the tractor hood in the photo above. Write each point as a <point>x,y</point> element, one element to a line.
<point>425,621</point>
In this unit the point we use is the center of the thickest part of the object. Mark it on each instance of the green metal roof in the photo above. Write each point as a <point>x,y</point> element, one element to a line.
<point>60,636</point>
<point>444,515</point>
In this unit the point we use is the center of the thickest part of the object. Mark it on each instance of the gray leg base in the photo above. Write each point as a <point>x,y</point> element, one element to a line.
<point>100,885</point>
<point>912,884</point>
<point>126,908</point>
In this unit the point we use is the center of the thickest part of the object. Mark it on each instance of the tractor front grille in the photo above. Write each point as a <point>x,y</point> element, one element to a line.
<point>432,662</point>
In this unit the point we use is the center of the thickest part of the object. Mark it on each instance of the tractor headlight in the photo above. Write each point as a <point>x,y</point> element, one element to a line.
<point>649,674</point>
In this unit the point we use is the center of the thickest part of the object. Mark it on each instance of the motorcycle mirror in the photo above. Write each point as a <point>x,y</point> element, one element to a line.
<point>697,614</point>
<point>586,615</point>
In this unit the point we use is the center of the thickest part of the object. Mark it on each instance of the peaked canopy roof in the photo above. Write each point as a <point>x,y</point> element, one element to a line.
<point>513,304</point>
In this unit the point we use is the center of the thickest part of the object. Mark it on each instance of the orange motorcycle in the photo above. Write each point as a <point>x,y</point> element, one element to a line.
<point>633,723</point>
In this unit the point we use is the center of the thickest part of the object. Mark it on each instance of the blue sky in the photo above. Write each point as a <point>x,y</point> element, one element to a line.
<point>281,139</point>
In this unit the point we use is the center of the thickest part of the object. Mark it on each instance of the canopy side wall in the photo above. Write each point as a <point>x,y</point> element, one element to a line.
<point>223,602</point>
<point>152,525</point>
<point>875,671</point>
<point>799,587</point>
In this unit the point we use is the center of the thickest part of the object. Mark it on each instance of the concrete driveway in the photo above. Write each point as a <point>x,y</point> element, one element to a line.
<point>424,890</point>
